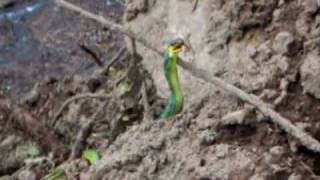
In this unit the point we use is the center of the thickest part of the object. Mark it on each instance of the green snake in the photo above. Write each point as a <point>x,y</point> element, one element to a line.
<point>175,100</point>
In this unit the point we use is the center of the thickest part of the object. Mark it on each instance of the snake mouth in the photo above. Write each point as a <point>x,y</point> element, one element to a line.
<point>175,45</point>
<point>177,48</point>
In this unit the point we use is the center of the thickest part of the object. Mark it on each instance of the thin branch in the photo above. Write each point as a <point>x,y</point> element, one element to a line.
<point>304,138</point>
<point>76,98</point>
<point>107,23</point>
<point>94,56</point>
<point>114,59</point>
<point>194,5</point>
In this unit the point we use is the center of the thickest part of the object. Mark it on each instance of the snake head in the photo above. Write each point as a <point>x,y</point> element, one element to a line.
<point>175,45</point>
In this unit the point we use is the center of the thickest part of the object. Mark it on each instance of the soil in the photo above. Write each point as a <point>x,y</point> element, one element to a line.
<point>42,73</point>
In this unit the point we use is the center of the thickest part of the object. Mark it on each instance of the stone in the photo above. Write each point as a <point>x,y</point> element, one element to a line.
<point>222,150</point>
<point>237,117</point>
<point>283,42</point>
<point>207,138</point>
<point>310,73</point>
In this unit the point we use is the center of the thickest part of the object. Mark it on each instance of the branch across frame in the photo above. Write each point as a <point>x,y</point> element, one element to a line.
<point>304,138</point>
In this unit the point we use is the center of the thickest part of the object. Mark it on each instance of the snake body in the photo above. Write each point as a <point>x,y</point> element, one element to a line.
<point>175,100</point>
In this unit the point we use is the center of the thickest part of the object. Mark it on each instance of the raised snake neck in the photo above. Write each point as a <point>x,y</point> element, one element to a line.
<point>175,100</point>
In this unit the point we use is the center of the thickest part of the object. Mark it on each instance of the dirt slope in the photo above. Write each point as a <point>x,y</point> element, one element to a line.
<point>265,47</point>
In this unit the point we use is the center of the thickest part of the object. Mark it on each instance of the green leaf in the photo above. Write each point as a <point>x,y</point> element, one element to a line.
<point>90,155</point>
<point>28,150</point>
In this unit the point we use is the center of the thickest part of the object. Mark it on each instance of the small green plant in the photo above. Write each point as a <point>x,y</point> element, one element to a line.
<point>91,156</point>
<point>28,151</point>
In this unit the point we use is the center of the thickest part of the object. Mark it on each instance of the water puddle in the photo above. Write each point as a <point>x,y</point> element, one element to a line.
<point>39,40</point>
<point>22,46</point>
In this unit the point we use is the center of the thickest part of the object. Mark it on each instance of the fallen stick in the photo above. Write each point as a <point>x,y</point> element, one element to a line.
<point>304,138</point>
<point>75,98</point>
<point>114,59</point>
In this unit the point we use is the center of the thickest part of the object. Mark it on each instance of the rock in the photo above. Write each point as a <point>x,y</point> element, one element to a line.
<point>207,138</point>
<point>284,43</point>
<point>310,73</point>
<point>222,150</point>
<point>237,117</point>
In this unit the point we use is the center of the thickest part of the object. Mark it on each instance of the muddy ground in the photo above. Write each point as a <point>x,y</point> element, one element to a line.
<point>247,49</point>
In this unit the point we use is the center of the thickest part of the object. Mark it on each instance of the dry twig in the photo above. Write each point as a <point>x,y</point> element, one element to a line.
<point>94,56</point>
<point>194,5</point>
<point>304,138</point>
<point>114,59</point>
<point>75,98</point>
